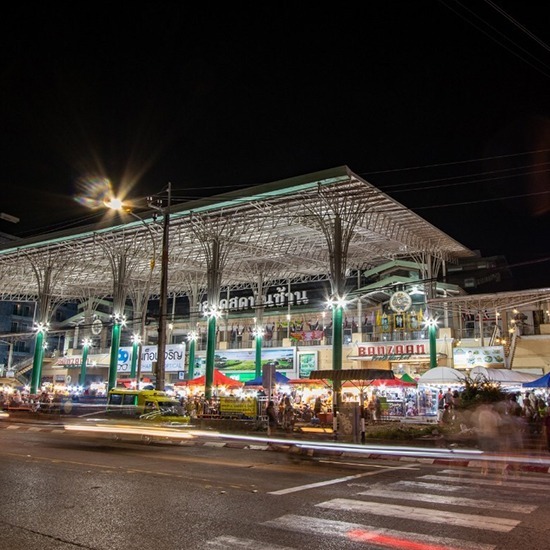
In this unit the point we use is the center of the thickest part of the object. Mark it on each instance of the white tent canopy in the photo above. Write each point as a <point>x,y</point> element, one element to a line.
<point>441,375</point>
<point>503,376</point>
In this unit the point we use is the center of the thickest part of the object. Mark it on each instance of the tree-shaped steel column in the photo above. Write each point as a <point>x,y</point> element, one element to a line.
<point>337,214</point>
<point>214,279</point>
<point>45,276</point>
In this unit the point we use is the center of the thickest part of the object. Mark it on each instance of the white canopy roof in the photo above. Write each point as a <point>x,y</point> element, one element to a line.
<point>504,376</point>
<point>441,375</point>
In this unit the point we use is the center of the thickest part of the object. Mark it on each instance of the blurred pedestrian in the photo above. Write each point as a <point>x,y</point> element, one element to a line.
<point>272,417</point>
<point>289,416</point>
<point>377,409</point>
<point>446,417</point>
<point>547,428</point>
<point>317,407</point>
<point>487,425</point>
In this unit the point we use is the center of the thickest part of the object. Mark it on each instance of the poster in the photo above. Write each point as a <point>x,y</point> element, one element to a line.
<point>490,357</point>
<point>307,362</point>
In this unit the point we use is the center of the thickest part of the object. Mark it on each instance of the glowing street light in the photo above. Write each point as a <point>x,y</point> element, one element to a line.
<point>192,338</point>
<point>119,320</point>
<point>431,324</point>
<point>117,204</point>
<point>212,313</point>
<point>136,350</point>
<point>86,343</point>
<point>258,334</point>
<point>41,330</point>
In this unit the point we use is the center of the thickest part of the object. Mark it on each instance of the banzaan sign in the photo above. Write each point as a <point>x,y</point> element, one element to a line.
<point>396,351</point>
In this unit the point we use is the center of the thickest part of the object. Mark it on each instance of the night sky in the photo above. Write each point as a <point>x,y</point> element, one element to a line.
<point>443,105</point>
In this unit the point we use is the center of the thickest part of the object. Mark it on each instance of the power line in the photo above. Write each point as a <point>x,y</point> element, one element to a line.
<point>495,39</point>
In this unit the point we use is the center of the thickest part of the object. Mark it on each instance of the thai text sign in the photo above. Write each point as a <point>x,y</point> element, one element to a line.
<point>235,405</point>
<point>174,357</point>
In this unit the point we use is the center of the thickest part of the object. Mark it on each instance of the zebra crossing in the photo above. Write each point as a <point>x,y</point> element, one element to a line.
<point>445,504</point>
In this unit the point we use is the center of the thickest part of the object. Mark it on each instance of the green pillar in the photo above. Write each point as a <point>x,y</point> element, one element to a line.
<point>337,343</point>
<point>432,329</point>
<point>37,362</point>
<point>191,366</point>
<point>82,380</point>
<point>113,363</point>
<point>210,353</point>
<point>258,338</point>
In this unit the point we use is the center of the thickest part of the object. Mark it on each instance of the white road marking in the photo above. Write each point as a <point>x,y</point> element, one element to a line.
<point>428,486</point>
<point>454,501</point>
<point>506,483</point>
<point>356,531</point>
<point>510,475</point>
<point>234,542</point>
<point>422,514</point>
<point>330,482</point>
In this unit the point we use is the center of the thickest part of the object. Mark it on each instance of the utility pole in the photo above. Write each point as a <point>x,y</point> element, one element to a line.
<point>163,297</point>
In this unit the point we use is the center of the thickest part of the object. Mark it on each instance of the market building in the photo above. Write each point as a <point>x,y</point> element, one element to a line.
<point>318,272</point>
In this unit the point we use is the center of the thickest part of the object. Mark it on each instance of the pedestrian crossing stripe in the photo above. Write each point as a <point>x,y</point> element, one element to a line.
<point>471,521</point>
<point>451,501</point>
<point>235,542</point>
<point>488,481</point>
<point>375,535</point>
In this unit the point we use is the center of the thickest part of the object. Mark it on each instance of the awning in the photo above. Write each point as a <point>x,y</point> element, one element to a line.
<point>340,375</point>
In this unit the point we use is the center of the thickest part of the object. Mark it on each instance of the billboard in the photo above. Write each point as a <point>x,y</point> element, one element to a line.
<point>241,363</point>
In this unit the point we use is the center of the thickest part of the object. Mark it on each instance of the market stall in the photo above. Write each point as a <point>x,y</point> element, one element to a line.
<point>221,383</point>
<point>429,384</point>
<point>505,377</point>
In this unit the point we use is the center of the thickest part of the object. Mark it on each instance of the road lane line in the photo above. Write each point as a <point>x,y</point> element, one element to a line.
<point>330,482</point>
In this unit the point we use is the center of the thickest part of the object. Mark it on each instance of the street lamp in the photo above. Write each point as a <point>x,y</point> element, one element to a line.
<point>136,350</point>
<point>117,204</point>
<point>258,333</point>
<point>86,343</point>
<point>41,329</point>
<point>431,324</point>
<point>212,313</point>
<point>161,342</point>
<point>192,339</point>
<point>119,320</point>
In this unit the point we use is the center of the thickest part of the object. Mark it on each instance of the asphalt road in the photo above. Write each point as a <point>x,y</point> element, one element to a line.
<point>68,489</point>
